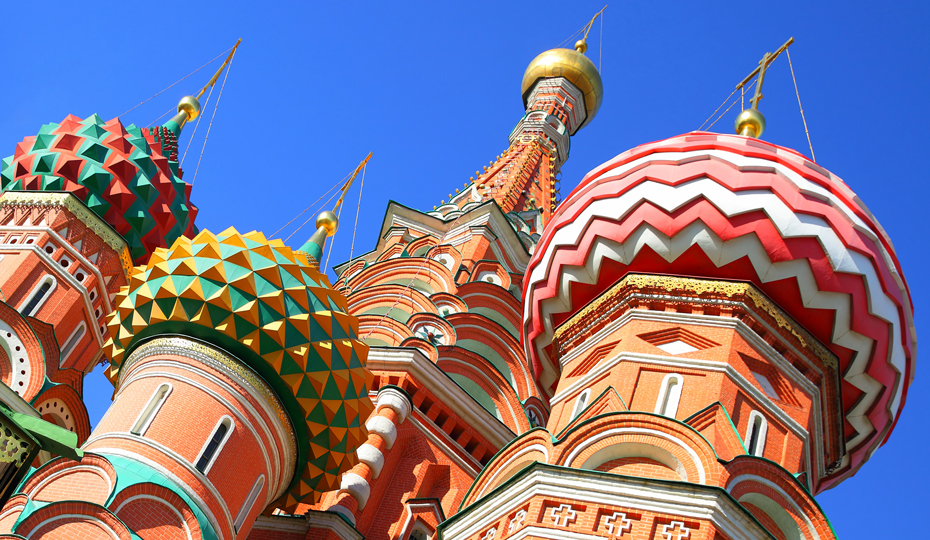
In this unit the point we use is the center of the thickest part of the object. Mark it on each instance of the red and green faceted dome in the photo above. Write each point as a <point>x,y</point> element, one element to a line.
<point>129,176</point>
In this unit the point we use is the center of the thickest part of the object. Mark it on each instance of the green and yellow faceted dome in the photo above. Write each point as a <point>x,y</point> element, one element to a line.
<point>268,306</point>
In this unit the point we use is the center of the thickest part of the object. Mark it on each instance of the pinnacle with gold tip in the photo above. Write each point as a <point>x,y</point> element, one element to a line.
<point>277,313</point>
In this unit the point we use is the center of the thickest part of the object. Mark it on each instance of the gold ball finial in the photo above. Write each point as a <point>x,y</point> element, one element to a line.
<point>581,46</point>
<point>189,105</point>
<point>574,66</point>
<point>328,221</point>
<point>750,123</point>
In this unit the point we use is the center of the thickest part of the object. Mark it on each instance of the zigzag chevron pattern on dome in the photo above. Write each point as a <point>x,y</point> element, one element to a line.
<point>265,304</point>
<point>731,207</point>
<point>128,176</point>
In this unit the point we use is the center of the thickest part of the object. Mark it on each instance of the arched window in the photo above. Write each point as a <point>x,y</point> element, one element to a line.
<point>533,417</point>
<point>755,434</point>
<point>418,534</point>
<point>38,296</point>
<point>669,395</point>
<point>73,340</point>
<point>148,414</point>
<point>249,502</point>
<point>580,403</point>
<point>214,445</point>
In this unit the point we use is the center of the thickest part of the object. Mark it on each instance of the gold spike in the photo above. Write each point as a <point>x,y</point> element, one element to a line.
<point>202,237</point>
<point>203,317</point>
<point>257,236</point>
<point>232,238</point>
<point>217,75</point>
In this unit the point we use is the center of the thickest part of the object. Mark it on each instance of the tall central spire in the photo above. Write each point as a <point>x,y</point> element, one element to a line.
<point>562,92</point>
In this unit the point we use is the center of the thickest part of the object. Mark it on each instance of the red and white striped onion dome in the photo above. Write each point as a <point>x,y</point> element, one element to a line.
<point>737,208</point>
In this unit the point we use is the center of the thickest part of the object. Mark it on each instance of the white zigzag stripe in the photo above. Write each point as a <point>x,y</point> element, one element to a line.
<point>804,185</point>
<point>786,221</point>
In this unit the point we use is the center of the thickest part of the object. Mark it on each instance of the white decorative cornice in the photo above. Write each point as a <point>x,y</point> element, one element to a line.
<point>440,385</point>
<point>598,489</point>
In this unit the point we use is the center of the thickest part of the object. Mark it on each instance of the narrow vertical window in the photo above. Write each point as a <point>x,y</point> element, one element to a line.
<point>148,414</point>
<point>72,342</point>
<point>249,502</point>
<point>38,297</point>
<point>213,446</point>
<point>581,403</point>
<point>669,395</point>
<point>755,434</point>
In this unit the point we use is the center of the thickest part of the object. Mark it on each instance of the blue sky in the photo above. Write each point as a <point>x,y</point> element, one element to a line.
<point>432,89</point>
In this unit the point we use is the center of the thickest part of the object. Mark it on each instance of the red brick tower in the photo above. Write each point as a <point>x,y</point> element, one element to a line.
<point>438,301</point>
<point>721,330</point>
<point>240,385</point>
<point>80,201</point>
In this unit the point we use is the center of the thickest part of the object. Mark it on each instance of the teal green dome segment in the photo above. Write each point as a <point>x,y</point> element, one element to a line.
<point>129,176</point>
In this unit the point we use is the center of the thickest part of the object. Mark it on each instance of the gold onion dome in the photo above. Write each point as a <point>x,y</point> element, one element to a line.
<point>574,66</point>
<point>275,312</point>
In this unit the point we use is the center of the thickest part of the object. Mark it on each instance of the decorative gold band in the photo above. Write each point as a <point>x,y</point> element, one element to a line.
<point>698,287</point>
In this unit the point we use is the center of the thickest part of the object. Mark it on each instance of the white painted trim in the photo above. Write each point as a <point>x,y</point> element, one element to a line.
<point>418,525</point>
<point>513,414</point>
<point>569,461</point>
<point>634,449</point>
<point>227,404</point>
<point>667,403</point>
<point>151,409</point>
<point>77,468</point>
<point>642,494</point>
<point>170,506</point>
<point>9,344</point>
<point>357,486</point>
<point>47,278</point>
<point>231,426</point>
<point>581,403</point>
<point>774,487</point>
<point>469,464</point>
<point>249,502</point>
<point>436,381</point>
<point>815,438</point>
<point>366,283</point>
<point>78,256</point>
<point>188,490</point>
<point>515,261</point>
<point>17,508</point>
<point>15,401</point>
<point>516,356</point>
<point>77,335</point>
<point>331,521</point>
<point>286,439</point>
<point>81,517</point>
<point>721,367</point>
<point>53,264</point>
<point>499,468</point>
<point>388,296</point>
<point>763,431</point>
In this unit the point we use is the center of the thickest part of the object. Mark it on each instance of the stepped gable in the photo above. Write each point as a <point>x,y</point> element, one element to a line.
<point>732,207</point>
<point>128,176</point>
<point>271,309</point>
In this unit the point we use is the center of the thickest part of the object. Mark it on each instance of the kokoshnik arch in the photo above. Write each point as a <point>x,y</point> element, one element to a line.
<point>707,332</point>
